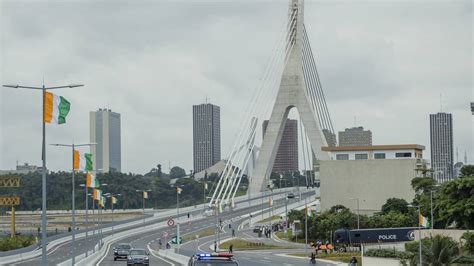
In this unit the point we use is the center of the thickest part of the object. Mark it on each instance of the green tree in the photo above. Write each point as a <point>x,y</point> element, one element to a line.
<point>423,184</point>
<point>468,238</point>
<point>177,172</point>
<point>467,170</point>
<point>395,205</point>
<point>436,251</point>
<point>455,203</point>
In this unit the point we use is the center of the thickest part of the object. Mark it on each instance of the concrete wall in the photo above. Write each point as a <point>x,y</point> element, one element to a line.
<point>371,181</point>
<point>372,261</point>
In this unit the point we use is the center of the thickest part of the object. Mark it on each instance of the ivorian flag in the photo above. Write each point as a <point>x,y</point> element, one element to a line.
<point>56,108</point>
<point>92,181</point>
<point>424,221</point>
<point>178,189</point>
<point>83,161</point>
<point>145,195</point>
<point>114,200</point>
<point>102,201</point>
<point>97,194</point>
<point>270,202</point>
<point>309,213</point>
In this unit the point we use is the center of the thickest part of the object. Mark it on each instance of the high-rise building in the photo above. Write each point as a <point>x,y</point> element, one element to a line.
<point>206,136</point>
<point>441,138</point>
<point>472,108</point>
<point>355,136</point>
<point>286,159</point>
<point>105,131</point>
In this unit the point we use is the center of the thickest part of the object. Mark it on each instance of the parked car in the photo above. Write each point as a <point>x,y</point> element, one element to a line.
<point>121,251</point>
<point>257,229</point>
<point>291,195</point>
<point>138,256</point>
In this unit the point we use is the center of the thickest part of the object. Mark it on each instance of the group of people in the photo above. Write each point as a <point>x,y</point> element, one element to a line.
<point>265,231</point>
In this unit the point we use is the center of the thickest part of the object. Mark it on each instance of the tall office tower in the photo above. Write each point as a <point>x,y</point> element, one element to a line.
<point>287,156</point>
<point>206,136</point>
<point>105,131</point>
<point>441,136</point>
<point>355,136</point>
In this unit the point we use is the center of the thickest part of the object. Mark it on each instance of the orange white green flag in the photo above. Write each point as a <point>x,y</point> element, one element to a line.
<point>424,221</point>
<point>97,194</point>
<point>92,181</point>
<point>56,108</point>
<point>83,161</point>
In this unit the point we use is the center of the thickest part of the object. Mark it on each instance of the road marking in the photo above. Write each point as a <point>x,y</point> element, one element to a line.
<point>153,254</point>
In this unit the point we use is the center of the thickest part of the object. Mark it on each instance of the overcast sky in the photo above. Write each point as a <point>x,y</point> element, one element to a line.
<point>382,64</point>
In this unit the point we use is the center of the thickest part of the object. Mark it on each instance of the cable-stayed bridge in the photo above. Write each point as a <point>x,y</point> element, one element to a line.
<point>291,80</point>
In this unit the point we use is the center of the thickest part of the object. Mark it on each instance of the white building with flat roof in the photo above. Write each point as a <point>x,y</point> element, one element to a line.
<point>369,175</point>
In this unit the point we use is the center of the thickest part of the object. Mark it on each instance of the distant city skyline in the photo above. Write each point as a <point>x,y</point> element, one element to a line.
<point>382,68</point>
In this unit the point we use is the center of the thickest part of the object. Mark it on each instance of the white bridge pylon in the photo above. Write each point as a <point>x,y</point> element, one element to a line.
<point>298,87</point>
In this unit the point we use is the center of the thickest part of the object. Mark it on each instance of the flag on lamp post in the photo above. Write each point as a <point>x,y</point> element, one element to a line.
<point>92,181</point>
<point>83,161</point>
<point>145,195</point>
<point>178,189</point>
<point>270,202</point>
<point>114,200</point>
<point>424,221</point>
<point>97,194</point>
<point>56,108</point>
<point>205,186</point>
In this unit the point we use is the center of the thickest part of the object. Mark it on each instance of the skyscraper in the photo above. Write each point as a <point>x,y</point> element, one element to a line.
<point>355,136</point>
<point>286,159</point>
<point>206,136</point>
<point>105,131</point>
<point>441,138</point>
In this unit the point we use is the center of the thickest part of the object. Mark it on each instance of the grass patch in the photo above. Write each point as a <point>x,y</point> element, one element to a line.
<point>240,244</point>
<point>203,233</point>
<point>266,220</point>
<point>282,235</point>
<point>341,257</point>
<point>9,243</point>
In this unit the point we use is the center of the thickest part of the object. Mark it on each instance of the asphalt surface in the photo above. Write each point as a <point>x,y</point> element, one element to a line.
<point>149,241</point>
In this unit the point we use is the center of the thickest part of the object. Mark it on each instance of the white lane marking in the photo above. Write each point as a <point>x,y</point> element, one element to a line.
<point>266,261</point>
<point>106,253</point>
<point>153,254</point>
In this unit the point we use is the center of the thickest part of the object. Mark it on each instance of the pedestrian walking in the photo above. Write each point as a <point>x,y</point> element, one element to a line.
<point>233,232</point>
<point>231,248</point>
<point>353,261</point>
<point>215,246</point>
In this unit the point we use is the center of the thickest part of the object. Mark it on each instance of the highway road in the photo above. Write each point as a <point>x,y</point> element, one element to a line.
<point>150,240</point>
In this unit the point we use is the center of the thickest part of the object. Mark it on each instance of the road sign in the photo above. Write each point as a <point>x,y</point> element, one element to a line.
<point>165,234</point>
<point>170,222</point>
<point>173,240</point>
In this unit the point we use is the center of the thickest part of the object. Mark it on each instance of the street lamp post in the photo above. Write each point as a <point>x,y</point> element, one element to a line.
<point>358,214</point>
<point>419,231</point>
<point>143,201</point>
<point>44,260</point>
<point>112,197</point>
<point>73,196</point>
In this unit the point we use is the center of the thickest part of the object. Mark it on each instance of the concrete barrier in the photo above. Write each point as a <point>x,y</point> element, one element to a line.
<point>171,255</point>
<point>373,261</point>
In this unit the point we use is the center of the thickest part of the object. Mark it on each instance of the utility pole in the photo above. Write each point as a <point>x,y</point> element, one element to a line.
<point>44,259</point>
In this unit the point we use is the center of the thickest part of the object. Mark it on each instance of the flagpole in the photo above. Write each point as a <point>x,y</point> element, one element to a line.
<point>305,227</point>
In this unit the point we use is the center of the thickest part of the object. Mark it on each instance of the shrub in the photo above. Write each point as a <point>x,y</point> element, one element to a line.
<point>387,253</point>
<point>9,243</point>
